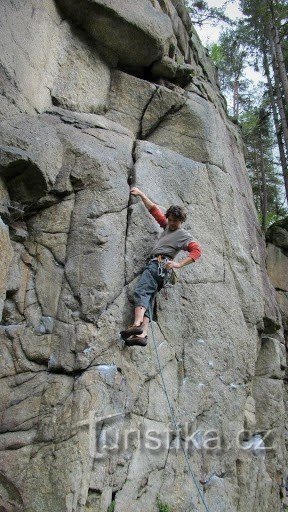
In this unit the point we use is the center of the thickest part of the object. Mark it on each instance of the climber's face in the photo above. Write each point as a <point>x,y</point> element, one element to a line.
<point>173,223</point>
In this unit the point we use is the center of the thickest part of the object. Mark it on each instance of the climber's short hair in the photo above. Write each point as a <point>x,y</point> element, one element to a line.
<point>177,211</point>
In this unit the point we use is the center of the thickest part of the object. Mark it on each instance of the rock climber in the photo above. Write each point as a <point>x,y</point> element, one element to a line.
<point>160,265</point>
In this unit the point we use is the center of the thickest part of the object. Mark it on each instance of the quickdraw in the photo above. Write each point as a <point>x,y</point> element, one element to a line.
<point>165,273</point>
<point>162,270</point>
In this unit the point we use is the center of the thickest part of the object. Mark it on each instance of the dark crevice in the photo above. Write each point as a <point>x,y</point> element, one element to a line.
<point>55,101</point>
<point>131,180</point>
<point>25,211</point>
<point>71,373</point>
<point>172,110</point>
<point>134,158</point>
<point>140,132</point>
<point>129,213</point>
<point>142,72</point>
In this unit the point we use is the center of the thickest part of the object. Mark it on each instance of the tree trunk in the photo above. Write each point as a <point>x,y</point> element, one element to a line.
<point>277,124</point>
<point>263,187</point>
<point>236,98</point>
<point>258,198</point>
<point>280,109</point>
<point>278,86</point>
<point>281,64</point>
<point>279,57</point>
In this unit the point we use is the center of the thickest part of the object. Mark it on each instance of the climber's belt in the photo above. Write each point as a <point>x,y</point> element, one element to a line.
<point>160,257</point>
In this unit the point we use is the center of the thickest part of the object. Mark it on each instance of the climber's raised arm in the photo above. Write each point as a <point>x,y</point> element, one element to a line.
<point>137,192</point>
<point>152,207</point>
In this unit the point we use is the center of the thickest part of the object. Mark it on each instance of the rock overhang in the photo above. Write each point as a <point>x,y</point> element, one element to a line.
<point>135,33</point>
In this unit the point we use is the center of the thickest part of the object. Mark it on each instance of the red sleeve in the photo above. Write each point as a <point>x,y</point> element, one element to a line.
<point>159,216</point>
<point>194,250</point>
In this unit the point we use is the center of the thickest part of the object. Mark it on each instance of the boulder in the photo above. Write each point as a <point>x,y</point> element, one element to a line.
<point>141,34</point>
<point>277,234</point>
<point>29,52</point>
<point>277,266</point>
<point>83,80</point>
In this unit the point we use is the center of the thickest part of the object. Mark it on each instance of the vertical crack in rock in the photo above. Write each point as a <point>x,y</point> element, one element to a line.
<point>140,132</point>
<point>131,182</point>
<point>172,110</point>
<point>177,104</point>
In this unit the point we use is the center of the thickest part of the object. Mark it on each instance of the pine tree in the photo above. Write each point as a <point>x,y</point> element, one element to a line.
<point>200,12</point>
<point>229,55</point>
<point>254,108</point>
<point>258,136</point>
<point>267,20</point>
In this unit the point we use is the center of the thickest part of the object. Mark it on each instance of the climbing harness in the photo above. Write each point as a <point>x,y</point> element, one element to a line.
<point>173,417</point>
<point>168,275</point>
<point>162,270</point>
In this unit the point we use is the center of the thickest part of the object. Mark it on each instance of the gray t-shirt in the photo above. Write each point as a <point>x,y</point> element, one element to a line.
<point>171,242</point>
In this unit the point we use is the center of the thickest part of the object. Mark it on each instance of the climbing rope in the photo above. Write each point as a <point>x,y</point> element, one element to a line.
<point>173,417</point>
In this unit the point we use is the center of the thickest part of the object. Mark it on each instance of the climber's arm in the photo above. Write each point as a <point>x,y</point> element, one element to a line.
<point>195,252</point>
<point>152,207</point>
<point>137,192</point>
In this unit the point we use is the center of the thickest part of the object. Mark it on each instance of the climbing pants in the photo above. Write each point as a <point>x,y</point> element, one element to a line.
<point>149,283</point>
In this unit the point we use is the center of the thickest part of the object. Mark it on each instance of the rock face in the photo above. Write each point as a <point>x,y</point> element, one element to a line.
<point>96,96</point>
<point>277,266</point>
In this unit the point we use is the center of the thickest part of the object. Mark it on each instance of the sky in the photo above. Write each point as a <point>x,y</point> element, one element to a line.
<point>209,34</point>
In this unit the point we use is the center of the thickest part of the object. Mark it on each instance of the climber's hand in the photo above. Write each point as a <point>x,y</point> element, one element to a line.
<point>136,191</point>
<point>172,264</point>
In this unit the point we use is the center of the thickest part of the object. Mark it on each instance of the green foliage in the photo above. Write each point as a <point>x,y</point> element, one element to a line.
<point>163,507</point>
<point>231,57</point>
<point>111,507</point>
<point>257,133</point>
<point>216,54</point>
<point>233,53</point>
<point>200,12</point>
<point>238,47</point>
<point>271,218</point>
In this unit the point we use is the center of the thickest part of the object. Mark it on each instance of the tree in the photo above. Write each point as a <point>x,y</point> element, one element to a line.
<point>274,110</point>
<point>252,107</point>
<point>267,19</point>
<point>200,12</point>
<point>259,39</point>
<point>229,55</point>
<point>266,185</point>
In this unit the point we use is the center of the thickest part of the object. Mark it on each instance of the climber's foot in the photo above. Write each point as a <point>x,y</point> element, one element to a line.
<point>141,341</point>
<point>132,329</point>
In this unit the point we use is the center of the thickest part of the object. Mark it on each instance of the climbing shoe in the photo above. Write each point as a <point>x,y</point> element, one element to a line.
<point>136,340</point>
<point>132,329</point>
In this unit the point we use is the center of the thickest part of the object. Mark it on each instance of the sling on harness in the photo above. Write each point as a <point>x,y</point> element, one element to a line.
<point>168,275</point>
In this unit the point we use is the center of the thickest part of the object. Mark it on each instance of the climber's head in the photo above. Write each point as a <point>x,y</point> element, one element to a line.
<point>175,216</point>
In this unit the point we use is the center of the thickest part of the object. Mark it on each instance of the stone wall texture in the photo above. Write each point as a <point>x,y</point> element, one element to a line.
<point>96,95</point>
<point>277,266</point>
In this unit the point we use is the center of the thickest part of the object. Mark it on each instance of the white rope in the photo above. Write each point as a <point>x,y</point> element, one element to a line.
<point>172,414</point>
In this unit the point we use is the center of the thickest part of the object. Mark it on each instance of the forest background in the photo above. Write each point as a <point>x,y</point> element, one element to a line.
<point>256,101</point>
